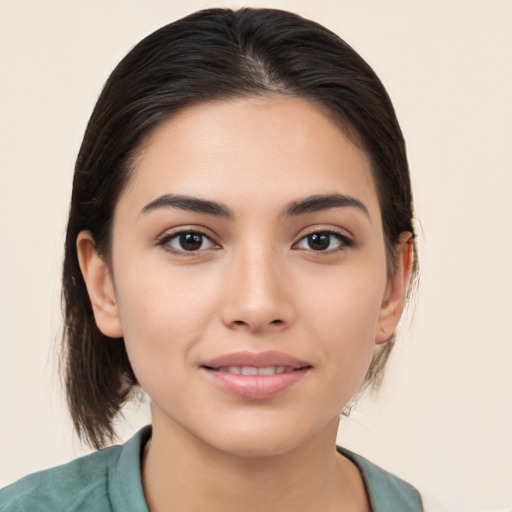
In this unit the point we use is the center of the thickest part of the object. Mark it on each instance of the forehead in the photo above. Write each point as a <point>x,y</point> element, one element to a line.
<point>269,149</point>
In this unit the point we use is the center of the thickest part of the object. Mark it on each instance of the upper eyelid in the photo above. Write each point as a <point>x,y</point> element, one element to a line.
<point>201,230</point>
<point>344,233</point>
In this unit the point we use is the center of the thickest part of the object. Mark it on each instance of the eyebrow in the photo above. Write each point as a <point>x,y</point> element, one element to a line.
<point>311,204</point>
<point>318,203</point>
<point>193,204</point>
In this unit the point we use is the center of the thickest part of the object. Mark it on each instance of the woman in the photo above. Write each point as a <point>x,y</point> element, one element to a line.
<point>240,245</point>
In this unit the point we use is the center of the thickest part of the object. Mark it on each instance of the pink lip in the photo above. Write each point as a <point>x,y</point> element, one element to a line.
<point>255,387</point>
<point>256,360</point>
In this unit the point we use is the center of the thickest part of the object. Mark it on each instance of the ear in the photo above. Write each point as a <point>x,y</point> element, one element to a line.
<point>100,287</point>
<point>396,289</point>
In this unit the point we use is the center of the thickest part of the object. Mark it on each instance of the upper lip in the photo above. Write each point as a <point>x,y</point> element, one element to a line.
<point>266,359</point>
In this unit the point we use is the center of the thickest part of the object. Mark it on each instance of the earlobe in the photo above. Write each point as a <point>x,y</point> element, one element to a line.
<point>100,287</point>
<point>396,289</point>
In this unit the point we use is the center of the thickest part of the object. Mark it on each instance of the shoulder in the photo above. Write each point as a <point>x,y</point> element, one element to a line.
<point>107,480</point>
<point>387,492</point>
<point>80,484</point>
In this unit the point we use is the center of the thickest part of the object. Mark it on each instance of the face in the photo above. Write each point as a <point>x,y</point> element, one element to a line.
<point>248,273</point>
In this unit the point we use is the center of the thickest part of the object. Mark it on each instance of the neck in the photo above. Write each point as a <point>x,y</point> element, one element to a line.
<point>181,472</point>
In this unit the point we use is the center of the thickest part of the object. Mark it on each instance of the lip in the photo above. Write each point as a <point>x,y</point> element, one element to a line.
<point>255,387</point>
<point>256,359</point>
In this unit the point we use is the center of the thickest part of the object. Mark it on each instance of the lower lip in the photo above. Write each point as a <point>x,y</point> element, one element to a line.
<point>255,387</point>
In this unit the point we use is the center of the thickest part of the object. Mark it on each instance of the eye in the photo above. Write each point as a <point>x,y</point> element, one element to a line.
<point>324,241</point>
<point>187,241</point>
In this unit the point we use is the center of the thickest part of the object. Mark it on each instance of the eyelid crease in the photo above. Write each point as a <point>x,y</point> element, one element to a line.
<point>187,228</point>
<point>311,230</point>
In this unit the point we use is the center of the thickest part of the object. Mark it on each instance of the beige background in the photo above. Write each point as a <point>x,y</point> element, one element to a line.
<point>444,417</point>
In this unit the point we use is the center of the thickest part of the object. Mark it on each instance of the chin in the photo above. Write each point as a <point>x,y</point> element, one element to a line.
<point>265,439</point>
<point>257,446</point>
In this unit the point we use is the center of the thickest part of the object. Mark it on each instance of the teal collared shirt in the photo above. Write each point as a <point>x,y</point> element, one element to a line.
<point>110,481</point>
<point>387,492</point>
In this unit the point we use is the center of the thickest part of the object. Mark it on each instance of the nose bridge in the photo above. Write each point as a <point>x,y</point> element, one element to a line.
<point>256,295</point>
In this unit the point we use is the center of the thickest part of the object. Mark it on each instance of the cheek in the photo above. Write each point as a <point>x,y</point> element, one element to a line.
<point>163,314</point>
<point>344,316</point>
<point>349,300</point>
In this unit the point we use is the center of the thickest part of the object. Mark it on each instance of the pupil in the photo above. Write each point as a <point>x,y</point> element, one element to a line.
<point>319,241</point>
<point>191,241</point>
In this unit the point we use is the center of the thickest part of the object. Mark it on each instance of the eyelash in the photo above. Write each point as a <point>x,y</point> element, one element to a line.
<point>164,241</point>
<point>344,241</point>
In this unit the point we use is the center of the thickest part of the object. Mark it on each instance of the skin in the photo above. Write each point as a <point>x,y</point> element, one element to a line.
<point>256,283</point>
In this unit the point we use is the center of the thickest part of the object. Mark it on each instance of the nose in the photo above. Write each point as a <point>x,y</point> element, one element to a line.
<point>258,293</point>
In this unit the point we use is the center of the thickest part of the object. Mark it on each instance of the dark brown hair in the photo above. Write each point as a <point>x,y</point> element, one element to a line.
<point>209,55</point>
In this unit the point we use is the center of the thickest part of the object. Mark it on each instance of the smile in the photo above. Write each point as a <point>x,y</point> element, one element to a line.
<point>255,376</point>
<point>252,370</point>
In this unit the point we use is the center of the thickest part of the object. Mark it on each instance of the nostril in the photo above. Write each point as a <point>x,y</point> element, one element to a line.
<point>245,324</point>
